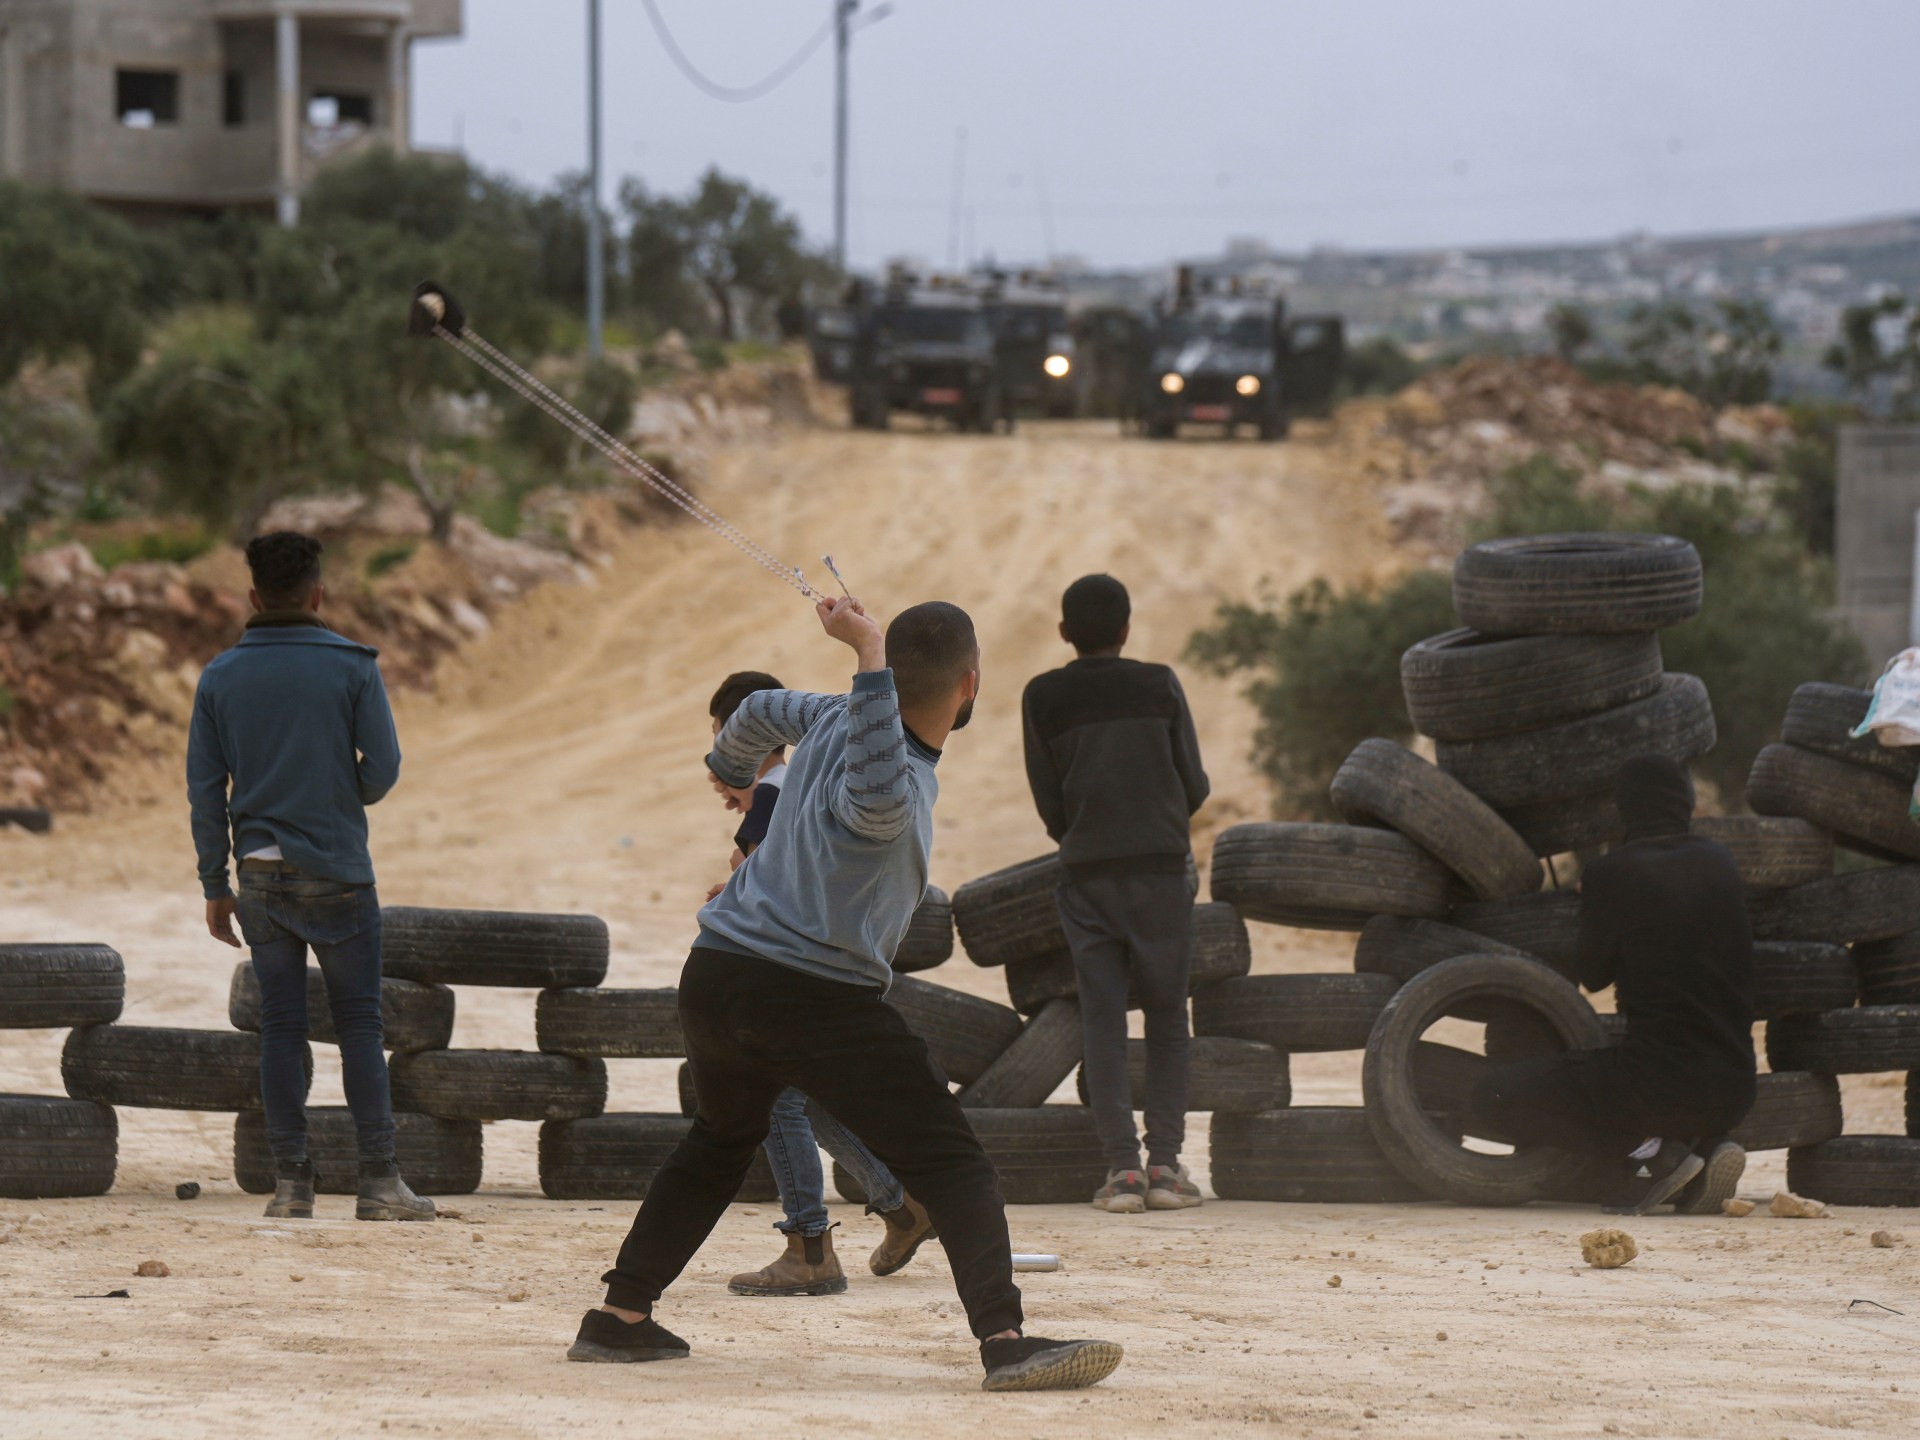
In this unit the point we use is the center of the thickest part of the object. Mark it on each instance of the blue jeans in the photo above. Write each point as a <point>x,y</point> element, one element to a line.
<point>795,1155</point>
<point>281,914</point>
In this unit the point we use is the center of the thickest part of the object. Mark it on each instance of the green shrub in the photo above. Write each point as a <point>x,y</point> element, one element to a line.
<point>1325,664</point>
<point>389,558</point>
<point>174,546</point>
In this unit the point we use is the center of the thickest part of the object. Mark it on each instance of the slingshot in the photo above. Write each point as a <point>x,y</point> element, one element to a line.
<point>437,314</point>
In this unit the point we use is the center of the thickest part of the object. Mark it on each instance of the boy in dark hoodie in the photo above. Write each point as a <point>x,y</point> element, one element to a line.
<point>1663,919</point>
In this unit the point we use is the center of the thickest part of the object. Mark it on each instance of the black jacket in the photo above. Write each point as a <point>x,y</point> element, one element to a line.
<point>1115,765</point>
<point>1663,919</point>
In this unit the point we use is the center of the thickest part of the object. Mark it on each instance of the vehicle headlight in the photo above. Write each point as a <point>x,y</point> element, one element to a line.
<point>1057,366</point>
<point>1248,384</point>
<point>1173,382</point>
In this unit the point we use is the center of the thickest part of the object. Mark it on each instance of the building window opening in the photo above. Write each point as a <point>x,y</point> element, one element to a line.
<point>234,101</point>
<point>329,109</point>
<point>146,98</point>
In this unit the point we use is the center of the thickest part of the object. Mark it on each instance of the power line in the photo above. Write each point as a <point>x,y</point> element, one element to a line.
<point>735,94</point>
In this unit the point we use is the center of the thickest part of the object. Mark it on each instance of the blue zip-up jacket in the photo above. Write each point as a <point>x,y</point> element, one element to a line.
<point>294,718</point>
<point>833,887</point>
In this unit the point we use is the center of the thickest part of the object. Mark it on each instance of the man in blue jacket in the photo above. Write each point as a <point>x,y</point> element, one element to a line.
<point>786,987</point>
<point>291,740</point>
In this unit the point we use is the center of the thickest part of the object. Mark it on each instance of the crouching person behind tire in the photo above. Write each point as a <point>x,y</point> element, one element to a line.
<point>1663,919</point>
<point>291,740</point>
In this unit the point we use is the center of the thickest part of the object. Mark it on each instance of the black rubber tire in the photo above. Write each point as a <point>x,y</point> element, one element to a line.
<point>965,1033</point>
<point>1225,1076</point>
<point>1029,1070</point>
<point>30,818</point>
<point>1326,877</point>
<point>493,947</point>
<point>1418,1147</point>
<point>1323,1154</point>
<point>56,987</point>
<point>1877,1170</point>
<point>1401,948</point>
<point>613,1024</point>
<point>54,1148</point>
<point>1772,851</point>
<point>1010,914</point>
<point>1801,977</point>
<point>153,1067</point>
<point>414,1016</point>
<point>436,1157</point>
<point>1875,904</point>
<point>1790,1107</point>
<point>1822,717</point>
<point>1294,1012</point>
<point>1579,584</point>
<point>1463,685</point>
<point>1581,757</point>
<point>1560,827</point>
<point>498,1085</point>
<point>1515,1033</point>
<point>615,1157</point>
<point>1387,784</point>
<point>1544,926</point>
<point>1866,809</point>
<point>929,939</point>
<point>1045,1155</point>
<point>1863,1041</point>
<point>1889,970</point>
<point>1221,949</point>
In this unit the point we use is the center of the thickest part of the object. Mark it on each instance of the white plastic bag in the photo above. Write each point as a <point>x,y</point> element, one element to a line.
<point>1894,715</point>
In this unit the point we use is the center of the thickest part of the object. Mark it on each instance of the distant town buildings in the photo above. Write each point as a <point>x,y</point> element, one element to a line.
<point>198,105</point>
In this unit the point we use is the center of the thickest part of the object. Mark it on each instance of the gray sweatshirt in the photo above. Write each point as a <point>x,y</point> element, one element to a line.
<point>833,887</point>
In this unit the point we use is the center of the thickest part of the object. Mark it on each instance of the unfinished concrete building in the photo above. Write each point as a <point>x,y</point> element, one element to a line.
<point>197,105</point>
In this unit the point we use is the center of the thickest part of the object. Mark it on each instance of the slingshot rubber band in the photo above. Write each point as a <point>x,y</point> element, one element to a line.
<point>437,314</point>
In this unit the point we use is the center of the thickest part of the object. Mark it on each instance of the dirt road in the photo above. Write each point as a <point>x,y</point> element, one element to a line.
<point>557,768</point>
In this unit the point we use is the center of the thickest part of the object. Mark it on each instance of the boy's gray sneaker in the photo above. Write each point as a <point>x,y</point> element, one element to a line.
<point>1168,1188</point>
<point>386,1197</point>
<point>1716,1183</point>
<point>293,1196</point>
<point>1125,1193</point>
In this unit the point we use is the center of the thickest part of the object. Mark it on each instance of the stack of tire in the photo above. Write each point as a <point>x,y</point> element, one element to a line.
<point>442,1096</point>
<point>1822,776</point>
<point>591,1155</point>
<point>1049,1153</point>
<point>56,1146</point>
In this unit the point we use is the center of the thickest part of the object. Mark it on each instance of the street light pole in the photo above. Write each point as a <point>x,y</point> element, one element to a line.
<point>596,248</point>
<point>842,14</point>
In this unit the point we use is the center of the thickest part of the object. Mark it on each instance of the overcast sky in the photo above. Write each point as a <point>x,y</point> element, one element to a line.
<point>1133,132</point>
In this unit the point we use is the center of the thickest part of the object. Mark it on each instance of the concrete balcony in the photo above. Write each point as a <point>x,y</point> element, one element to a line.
<point>419,17</point>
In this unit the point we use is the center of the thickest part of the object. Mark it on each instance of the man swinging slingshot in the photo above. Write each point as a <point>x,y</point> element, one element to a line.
<point>785,986</point>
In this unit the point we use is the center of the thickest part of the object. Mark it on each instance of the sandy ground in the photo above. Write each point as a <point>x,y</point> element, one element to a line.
<point>557,768</point>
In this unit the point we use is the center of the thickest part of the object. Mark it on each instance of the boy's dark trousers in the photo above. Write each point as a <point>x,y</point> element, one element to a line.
<point>283,911</point>
<point>1133,933</point>
<point>753,1029</point>
<point>1587,1102</point>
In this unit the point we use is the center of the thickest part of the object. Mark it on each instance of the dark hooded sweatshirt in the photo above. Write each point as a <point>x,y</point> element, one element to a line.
<point>1663,919</point>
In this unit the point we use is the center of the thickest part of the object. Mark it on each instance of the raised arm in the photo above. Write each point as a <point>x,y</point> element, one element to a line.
<point>875,794</point>
<point>764,721</point>
<point>207,799</point>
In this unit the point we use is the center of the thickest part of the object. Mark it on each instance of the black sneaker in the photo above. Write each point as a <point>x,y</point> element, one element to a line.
<point>1030,1363</point>
<point>1715,1184</point>
<point>608,1340</point>
<point>1668,1173</point>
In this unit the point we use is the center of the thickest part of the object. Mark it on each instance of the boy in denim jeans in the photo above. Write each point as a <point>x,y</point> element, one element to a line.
<point>291,740</point>
<point>799,1128</point>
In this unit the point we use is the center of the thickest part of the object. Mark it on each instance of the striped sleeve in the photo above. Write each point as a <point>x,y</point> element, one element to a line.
<point>766,720</point>
<point>877,792</point>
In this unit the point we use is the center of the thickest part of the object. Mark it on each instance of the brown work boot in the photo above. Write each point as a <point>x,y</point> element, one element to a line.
<point>908,1228</point>
<point>809,1267</point>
